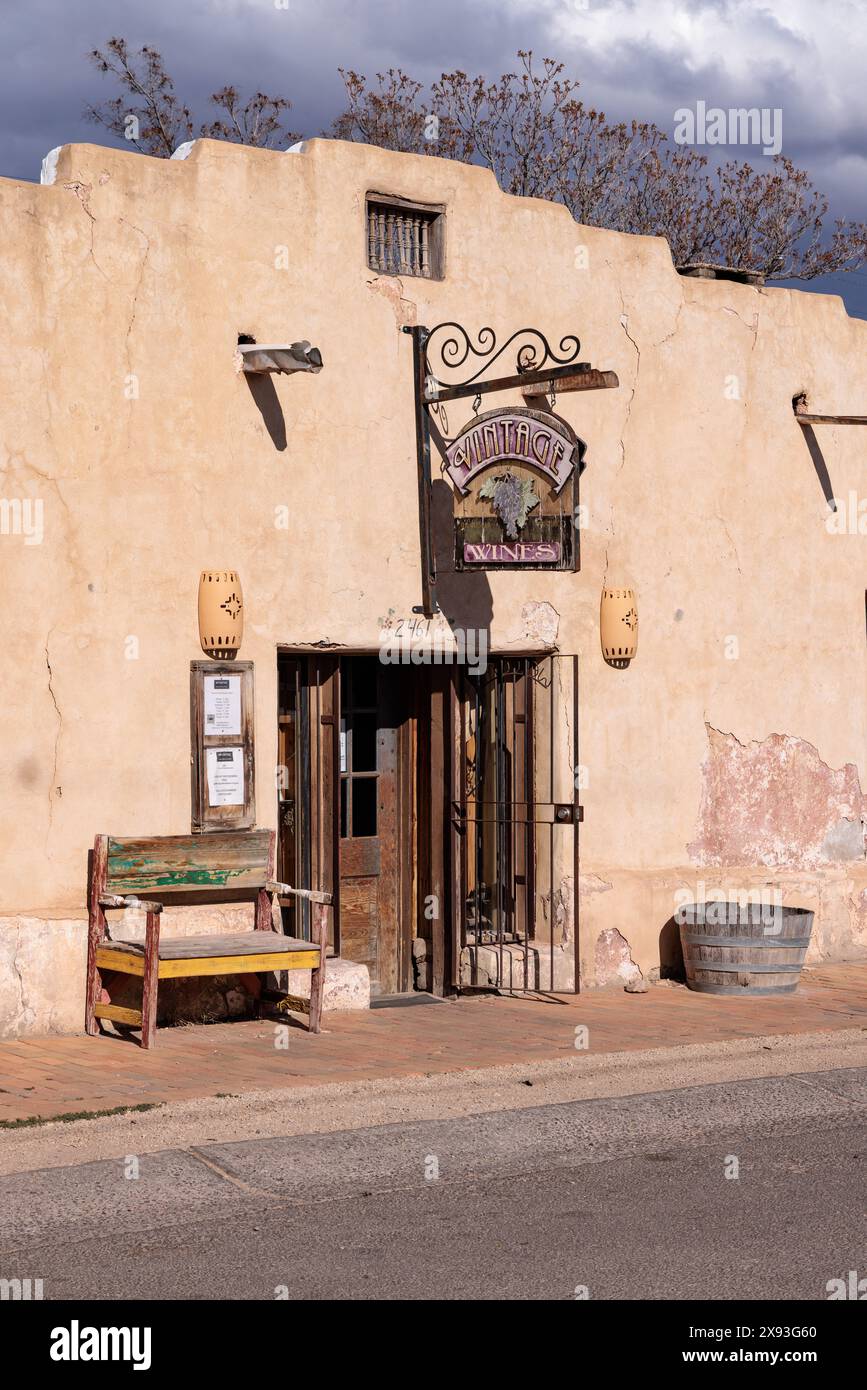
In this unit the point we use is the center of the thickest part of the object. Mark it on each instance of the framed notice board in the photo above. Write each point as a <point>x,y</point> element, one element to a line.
<point>221,733</point>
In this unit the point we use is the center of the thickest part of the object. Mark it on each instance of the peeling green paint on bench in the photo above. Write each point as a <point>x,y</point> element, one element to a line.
<point>213,878</point>
<point>184,863</point>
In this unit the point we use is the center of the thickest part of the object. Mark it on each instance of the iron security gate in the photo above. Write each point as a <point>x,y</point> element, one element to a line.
<point>516,819</point>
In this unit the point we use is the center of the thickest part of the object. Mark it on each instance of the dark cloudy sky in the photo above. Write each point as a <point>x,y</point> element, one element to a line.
<point>641,58</point>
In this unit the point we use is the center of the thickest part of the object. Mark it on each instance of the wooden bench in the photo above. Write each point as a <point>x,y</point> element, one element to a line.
<point>175,869</point>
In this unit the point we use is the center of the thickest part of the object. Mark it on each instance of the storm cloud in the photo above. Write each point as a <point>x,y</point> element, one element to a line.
<point>644,59</point>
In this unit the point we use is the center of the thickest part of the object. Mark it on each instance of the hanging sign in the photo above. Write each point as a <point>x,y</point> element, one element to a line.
<point>514,473</point>
<point>527,436</point>
<point>511,552</point>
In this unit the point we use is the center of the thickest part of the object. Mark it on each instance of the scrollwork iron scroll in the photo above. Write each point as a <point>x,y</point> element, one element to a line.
<point>445,354</point>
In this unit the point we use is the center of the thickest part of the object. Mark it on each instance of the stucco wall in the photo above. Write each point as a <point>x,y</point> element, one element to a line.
<point>126,284</point>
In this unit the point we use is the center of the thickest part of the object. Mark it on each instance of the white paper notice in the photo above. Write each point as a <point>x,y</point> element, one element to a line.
<point>225,776</point>
<point>222,705</point>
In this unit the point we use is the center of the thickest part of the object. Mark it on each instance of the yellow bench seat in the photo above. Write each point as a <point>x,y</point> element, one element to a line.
<point>242,953</point>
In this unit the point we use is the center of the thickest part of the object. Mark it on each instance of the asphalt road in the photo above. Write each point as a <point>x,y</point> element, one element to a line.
<point>626,1196</point>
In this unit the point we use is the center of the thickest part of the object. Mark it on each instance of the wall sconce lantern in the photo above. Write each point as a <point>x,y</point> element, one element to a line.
<point>618,626</point>
<point>221,614</point>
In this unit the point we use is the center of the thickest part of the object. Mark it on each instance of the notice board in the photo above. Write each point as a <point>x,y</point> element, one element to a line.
<point>222,753</point>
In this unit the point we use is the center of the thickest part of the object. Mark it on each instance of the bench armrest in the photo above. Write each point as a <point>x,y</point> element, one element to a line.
<point>274,886</point>
<point>129,900</point>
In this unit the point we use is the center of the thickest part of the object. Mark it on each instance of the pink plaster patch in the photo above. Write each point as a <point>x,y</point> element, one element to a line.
<point>614,963</point>
<point>776,803</point>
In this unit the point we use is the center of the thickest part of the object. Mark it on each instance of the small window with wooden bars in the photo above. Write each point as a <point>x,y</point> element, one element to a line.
<point>404,238</point>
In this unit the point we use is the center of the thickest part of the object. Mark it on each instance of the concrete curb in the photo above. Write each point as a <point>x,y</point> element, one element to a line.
<point>362,1104</point>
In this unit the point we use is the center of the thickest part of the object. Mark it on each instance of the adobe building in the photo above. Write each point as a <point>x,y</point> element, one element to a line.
<point>206,368</point>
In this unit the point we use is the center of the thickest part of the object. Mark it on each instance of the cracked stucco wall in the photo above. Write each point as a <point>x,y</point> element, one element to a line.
<point>774,802</point>
<point>613,964</point>
<point>42,964</point>
<point>126,283</point>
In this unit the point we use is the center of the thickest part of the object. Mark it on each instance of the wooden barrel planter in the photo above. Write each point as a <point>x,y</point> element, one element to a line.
<point>750,948</point>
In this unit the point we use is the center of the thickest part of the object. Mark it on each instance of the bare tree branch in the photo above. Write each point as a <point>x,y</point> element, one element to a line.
<point>155,121</point>
<point>152,119</point>
<point>540,140</point>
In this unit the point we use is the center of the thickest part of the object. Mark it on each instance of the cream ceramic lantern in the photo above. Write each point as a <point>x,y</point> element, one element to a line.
<point>221,613</point>
<point>618,626</point>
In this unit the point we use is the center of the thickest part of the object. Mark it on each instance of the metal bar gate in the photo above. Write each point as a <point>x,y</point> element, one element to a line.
<point>516,819</point>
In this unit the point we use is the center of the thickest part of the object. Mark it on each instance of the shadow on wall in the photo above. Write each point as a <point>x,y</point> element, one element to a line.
<point>820,466</point>
<point>264,394</point>
<point>671,965</point>
<point>464,597</point>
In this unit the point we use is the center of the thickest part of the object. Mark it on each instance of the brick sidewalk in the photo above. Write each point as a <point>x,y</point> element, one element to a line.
<point>57,1075</point>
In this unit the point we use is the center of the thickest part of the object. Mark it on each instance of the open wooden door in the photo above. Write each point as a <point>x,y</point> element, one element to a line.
<point>372,821</point>
<point>346,799</point>
<point>323,719</point>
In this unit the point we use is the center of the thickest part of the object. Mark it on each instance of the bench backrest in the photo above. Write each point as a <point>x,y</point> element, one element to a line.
<point>229,861</point>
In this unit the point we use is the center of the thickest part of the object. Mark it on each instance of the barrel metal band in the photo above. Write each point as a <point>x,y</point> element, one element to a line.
<point>746,968</point>
<point>760,941</point>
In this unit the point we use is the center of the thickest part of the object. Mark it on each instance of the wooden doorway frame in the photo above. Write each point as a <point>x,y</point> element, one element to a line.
<point>321,802</point>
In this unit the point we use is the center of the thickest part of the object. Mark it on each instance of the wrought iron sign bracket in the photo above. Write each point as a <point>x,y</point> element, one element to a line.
<point>445,349</point>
